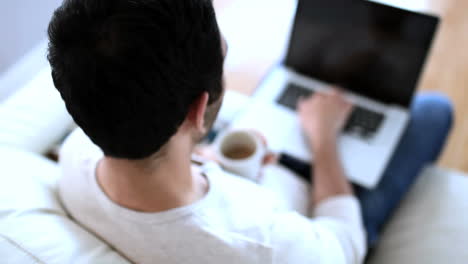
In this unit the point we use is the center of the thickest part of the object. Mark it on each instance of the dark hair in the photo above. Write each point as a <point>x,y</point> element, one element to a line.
<point>128,70</point>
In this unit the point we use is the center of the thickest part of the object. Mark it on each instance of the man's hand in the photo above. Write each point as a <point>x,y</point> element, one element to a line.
<point>323,116</point>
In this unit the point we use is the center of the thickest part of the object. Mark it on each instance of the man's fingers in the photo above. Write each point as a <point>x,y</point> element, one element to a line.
<point>206,152</point>
<point>300,102</point>
<point>336,92</point>
<point>348,108</point>
<point>303,101</point>
<point>336,89</point>
<point>270,158</point>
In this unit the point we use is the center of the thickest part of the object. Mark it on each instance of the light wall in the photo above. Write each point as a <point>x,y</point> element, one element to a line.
<point>23,24</point>
<point>23,27</point>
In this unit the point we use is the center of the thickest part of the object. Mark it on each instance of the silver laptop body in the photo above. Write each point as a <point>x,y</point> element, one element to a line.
<point>376,53</point>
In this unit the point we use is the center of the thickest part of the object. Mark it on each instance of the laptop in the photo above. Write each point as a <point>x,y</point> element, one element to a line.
<point>374,52</point>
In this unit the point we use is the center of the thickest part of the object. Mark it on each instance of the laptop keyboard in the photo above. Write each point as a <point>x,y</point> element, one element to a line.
<point>291,95</point>
<point>362,122</point>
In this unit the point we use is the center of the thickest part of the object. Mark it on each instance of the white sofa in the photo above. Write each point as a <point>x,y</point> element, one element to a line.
<point>430,227</point>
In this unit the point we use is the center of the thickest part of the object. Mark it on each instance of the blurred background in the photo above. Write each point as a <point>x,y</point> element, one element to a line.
<point>257,32</point>
<point>23,25</point>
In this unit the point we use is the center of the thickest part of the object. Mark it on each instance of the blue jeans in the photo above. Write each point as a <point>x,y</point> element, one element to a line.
<point>421,144</point>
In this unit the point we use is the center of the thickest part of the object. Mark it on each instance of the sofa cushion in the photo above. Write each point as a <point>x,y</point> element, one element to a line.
<point>34,117</point>
<point>13,253</point>
<point>33,223</point>
<point>431,226</point>
<point>27,183</point>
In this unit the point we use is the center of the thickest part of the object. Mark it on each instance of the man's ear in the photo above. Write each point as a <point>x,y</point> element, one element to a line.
<point>197,111</point>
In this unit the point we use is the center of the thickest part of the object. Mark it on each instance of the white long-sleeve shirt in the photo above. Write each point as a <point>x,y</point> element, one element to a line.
<point>236,222</point>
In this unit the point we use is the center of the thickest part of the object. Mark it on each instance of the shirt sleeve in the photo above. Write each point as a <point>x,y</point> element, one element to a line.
<point>335,235</point>
<point>342,215</point>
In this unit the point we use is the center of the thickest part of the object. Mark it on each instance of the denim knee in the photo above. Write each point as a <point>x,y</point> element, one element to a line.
<point>433,108</point>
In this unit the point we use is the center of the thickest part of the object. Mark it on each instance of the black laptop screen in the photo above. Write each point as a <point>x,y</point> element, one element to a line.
<point>371,49</point>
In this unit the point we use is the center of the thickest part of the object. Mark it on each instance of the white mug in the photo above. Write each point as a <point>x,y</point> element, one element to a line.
<point>241,152</point>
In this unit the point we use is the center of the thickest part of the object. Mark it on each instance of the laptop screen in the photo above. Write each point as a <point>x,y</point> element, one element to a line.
<point>371,49</point>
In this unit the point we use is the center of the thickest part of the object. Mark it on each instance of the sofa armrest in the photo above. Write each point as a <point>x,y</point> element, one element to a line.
<point>11,252</point>
<point>35,117</point>
<point>431,226</point>
<point>34,227</point>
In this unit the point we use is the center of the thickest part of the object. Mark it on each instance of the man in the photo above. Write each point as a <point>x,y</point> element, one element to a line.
<point>143,80</point>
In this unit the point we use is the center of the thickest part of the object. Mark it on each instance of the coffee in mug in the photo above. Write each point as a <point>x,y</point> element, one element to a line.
<point>241,152</point>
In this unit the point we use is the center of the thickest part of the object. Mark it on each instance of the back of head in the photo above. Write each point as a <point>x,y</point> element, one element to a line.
<point>128,70</point>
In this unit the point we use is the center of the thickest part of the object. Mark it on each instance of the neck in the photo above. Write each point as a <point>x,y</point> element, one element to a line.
<point>153,185</point>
